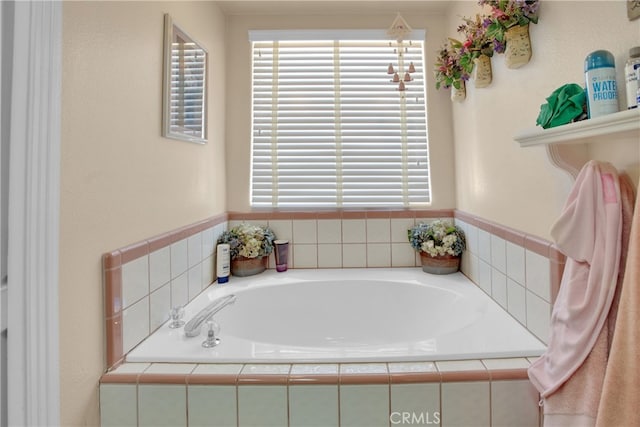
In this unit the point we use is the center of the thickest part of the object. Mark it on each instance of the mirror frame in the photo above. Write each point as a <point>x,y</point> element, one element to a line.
<point>173,33</point>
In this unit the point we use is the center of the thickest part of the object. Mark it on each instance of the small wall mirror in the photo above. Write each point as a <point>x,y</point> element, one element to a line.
<point>184,112</point>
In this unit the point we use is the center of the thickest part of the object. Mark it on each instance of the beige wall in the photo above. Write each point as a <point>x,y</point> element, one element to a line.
<point>239,99</point>
<point>121,181</point>
<point>518,187</point>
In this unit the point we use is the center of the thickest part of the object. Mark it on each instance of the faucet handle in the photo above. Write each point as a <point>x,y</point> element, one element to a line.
<point>213,330</point>
<point>176,313</point>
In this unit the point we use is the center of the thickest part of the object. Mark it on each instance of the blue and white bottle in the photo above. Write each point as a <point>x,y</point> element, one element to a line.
<point>600,79</point>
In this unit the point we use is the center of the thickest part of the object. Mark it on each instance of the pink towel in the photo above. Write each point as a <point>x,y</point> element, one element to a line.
<point>588,232</point>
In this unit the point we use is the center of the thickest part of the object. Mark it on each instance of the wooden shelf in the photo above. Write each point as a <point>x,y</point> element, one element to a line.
<point>624,125</point>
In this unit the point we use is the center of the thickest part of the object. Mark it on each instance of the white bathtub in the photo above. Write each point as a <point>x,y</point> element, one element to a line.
<point>346,315</point>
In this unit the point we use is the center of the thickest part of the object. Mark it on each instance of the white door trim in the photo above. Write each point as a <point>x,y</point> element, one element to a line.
<point>34,188</point>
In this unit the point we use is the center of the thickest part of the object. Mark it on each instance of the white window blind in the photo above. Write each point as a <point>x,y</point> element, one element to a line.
<point>330,129</point>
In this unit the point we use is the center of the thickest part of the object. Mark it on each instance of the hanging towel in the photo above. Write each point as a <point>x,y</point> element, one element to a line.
<point>621,391</point>
<point>575,403</point>
<point>588,232</point>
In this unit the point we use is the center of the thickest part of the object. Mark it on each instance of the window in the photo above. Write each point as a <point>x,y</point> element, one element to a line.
<point>331,131</point>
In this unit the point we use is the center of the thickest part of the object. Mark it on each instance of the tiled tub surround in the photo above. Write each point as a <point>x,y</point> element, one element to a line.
<point>530,267</point>
<point>143,281</point>
<point>488,392</point>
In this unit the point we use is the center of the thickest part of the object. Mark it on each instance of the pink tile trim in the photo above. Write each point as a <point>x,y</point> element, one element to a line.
<point>112,291</point>
<point>325,379</point>
<point>537,245</point>
<point>115,351</point>
<point>557,269</point>
<point>134,251</point>
<point>111,260</point>
<point>415,377</point>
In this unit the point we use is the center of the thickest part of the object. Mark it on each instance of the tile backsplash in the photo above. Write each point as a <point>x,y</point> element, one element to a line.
<point>145,280</point>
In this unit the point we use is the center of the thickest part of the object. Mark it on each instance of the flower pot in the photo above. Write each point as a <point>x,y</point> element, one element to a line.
<point>440,264</point>
<point>518,49</point>
<point>482,74</point>
<point>242,266</point>
<point>458,94</point>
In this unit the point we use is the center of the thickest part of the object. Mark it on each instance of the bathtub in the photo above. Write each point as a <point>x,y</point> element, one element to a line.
<point>346,315</point>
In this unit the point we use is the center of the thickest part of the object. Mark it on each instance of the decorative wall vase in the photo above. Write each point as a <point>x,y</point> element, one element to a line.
<point>441,264</point>
<point>458,94</point>
<point>518,50</point>
<point>242,266</point>
<point>482,73</point>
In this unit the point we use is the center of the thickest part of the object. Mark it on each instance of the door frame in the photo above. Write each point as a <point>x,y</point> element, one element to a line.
<point>34,194</point>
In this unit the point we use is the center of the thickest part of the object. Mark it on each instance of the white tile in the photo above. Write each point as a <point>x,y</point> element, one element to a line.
<point>515,263</point>
<point>538,275</point>
<point>499,287</point>
<point>305,231</point>
<point>354,255</point>
<point>378,255</point>
<point>179,258</point>
<point>329,231</point>
<point>538,316</point>
<point>118,405</point>
<point>194,249</point>
<point>402,255</point>
<point>209,404</point>
<point>171,368</point>
<point>262,405</point>
<point>516,301</point>
<point>460,365</point>
<point>162,405</point>
<point>180,290</point>
<point>135,280</point>
<point>506,363</point>
<point>363,368</point>
<point>465,404</point>
<point>399,228</point>
<point>354,231</point>
<point>471,234</point>
<point>305,256</point>
<point>208,242</point>
<point>484,276</point>
<point>364,405</point>
<point>159,267</point>
<point>484,245</point>
<point>267,369</point>
<point>404,367</point>
<point>131,368</point>
<point>329,256</point>
<point>195,281</point>
<point>314,369</point>
<point>218,368</point>
<point>208,275</point>
<point>514,403</point>
<point>159,306</point>
<point>313,405</point>
<point>135,324</point>
<point>420,401</point>
<point>282,228</point>
<point>378,230</point>
<point>498,254</point>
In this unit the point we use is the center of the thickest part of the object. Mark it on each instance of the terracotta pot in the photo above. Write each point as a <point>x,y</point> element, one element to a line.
<point>242,266</point>
<point>518,50</point>
<point>482,73</point>
<point>459,94</point>
<point>441,264</point>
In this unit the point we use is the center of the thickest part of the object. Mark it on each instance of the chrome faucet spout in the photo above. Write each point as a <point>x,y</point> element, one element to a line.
<point>192,328</point>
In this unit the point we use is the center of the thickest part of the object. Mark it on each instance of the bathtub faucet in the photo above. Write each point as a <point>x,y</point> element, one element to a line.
<point>192,328</point>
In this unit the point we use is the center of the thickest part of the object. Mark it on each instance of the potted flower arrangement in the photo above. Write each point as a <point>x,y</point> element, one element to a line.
<point>477,49</point>
<point>440,244</point>
<point>510,27</point>
<point>448,71</point>
<point>249,248</point>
